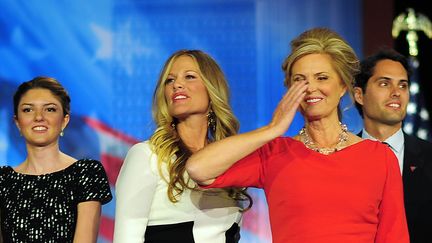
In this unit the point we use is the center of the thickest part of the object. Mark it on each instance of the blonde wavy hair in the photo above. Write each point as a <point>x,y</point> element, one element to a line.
<point>324,41</point>
<point>166,142</point>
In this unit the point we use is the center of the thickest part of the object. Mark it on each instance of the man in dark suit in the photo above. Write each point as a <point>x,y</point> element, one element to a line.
<point>382,94</point>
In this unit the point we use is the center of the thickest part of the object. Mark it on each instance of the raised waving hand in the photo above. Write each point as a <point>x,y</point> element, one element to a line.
<point>214,159</point>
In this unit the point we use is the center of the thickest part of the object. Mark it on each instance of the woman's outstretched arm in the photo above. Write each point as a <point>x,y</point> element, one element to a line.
<point>214,159</point>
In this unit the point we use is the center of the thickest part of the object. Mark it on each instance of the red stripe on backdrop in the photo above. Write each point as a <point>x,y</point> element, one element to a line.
<point>256,218</point>
<point>99,126</point>
<point>112,165</point>
<point>106,228</point>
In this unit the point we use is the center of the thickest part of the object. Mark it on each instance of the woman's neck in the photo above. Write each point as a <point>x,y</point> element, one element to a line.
<point>193,133</point>
<point>324,133</point>
<point>42,160</point>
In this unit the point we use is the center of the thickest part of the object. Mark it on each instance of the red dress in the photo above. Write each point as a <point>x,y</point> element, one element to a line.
<point>351,196</point>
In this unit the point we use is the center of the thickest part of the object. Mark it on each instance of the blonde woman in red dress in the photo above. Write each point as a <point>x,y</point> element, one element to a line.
<point>326,184</point>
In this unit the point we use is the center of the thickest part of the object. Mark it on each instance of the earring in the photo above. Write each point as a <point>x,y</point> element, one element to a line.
<point>211,120</point>
<point>173,125</point>
<point>61,133</point>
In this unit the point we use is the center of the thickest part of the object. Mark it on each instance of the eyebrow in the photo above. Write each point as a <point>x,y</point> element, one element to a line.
<point>388,78</point>
<point>298,74</point>
<point>30,104</point>
<point>171,74</point>
<point>324,72</point>
<point>319,73</point>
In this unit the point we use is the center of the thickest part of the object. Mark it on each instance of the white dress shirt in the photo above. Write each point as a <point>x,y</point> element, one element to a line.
<point>396,143</point>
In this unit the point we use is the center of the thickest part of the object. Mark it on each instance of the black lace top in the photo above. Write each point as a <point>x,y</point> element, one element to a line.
<point>43,208</point>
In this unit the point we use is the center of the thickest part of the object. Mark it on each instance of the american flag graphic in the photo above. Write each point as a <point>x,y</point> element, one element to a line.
<point>417,121</point>
<point>108,55</point>
<point>113,148</point>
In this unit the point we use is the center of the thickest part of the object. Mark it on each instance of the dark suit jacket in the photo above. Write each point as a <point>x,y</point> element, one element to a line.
<point>417,183</point>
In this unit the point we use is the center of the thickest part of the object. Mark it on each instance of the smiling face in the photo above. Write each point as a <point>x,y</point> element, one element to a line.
<point>386,96</point>
<point>40,117</point>
<point>185,92</point>
<point>325,86</point>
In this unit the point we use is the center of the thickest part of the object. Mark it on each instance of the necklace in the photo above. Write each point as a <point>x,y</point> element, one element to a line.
<point>309,143</point>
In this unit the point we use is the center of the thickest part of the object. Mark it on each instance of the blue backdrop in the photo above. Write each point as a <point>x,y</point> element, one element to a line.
<point>108,54</point>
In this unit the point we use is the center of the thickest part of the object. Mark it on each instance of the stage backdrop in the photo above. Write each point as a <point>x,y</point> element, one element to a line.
<point>108,54</point>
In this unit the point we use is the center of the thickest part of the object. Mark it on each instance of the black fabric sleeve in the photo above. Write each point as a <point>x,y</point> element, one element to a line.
<point>93,182</point>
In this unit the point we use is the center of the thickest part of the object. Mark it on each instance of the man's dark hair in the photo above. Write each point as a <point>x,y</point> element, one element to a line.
<point>367,69</point>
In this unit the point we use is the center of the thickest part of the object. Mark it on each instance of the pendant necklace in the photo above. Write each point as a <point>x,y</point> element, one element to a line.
<point>309,143</point>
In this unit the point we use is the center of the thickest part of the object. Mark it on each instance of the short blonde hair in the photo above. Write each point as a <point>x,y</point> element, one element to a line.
<point>324,41</point>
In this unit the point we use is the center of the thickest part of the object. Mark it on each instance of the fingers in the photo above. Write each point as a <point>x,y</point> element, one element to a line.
<point>287,107</point>
<point>294,95</point>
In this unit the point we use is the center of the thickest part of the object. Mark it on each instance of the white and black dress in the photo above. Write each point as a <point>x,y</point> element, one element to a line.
<point>145,214</point>
<point>43,208</point>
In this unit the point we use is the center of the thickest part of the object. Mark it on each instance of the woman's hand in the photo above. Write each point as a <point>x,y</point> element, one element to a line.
<point>287,107</point>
